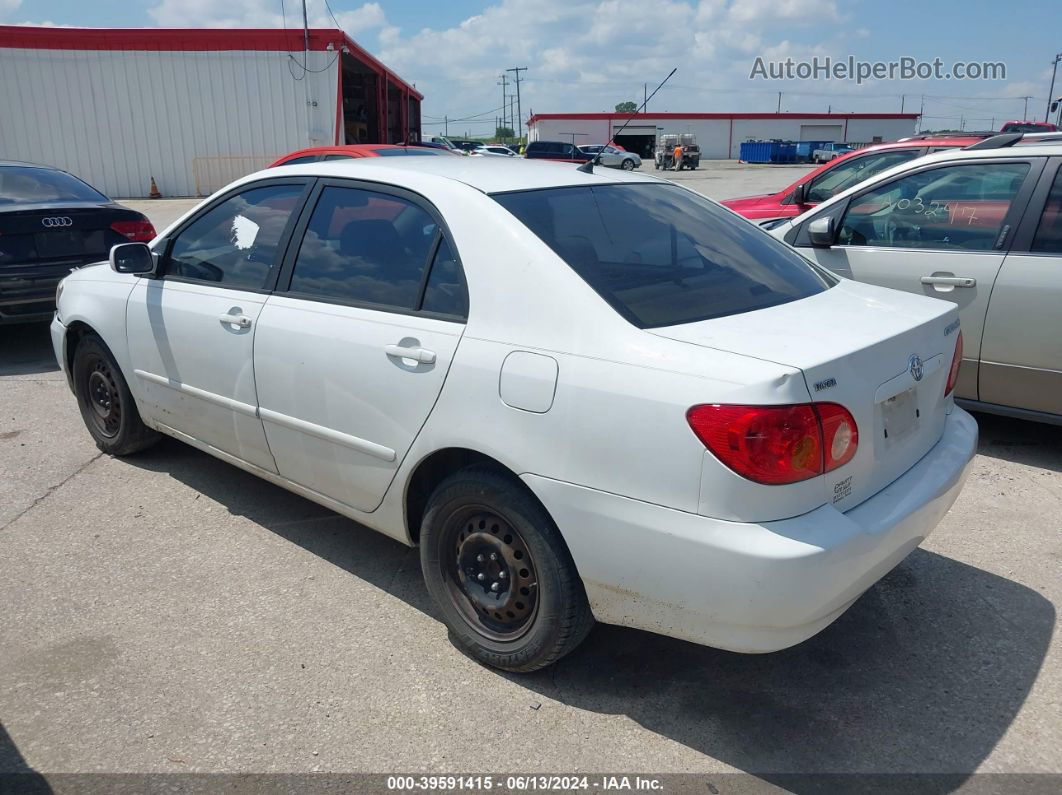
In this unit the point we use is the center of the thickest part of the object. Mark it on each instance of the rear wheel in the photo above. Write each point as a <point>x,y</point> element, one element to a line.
<point>503,578</point>
<point>107,406</point>
<point>628,164</point>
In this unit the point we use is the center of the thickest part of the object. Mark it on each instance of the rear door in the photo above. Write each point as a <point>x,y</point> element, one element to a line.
<point>1021,353</point>
<point>939,231</point>
<point>191,332</point>
<point>353,348</point>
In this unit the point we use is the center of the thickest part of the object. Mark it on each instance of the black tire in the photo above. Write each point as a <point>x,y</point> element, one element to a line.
<point>107,407</point>
<point>627,165</point>
<point>536,611</point>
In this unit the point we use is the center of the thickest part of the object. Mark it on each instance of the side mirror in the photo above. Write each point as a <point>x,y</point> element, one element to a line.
<point>820,232</point>
<point>800,194</point>
<point>134,258</point>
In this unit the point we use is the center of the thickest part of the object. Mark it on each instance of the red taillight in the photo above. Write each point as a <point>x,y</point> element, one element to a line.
<point>777,444</point>
<point>137,231</point>
<point>956,363</point>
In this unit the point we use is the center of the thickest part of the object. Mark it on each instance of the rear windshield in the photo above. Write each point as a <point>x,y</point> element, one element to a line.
<point>409,151</point>
<point>32,185</point>
<point>661,255</point>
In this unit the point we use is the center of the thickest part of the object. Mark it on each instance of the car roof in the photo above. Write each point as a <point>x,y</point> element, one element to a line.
<point>486,175</point>
<point>26,164</point>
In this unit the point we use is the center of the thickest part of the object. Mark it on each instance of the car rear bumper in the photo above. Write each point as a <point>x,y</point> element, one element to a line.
<point>750,587</point>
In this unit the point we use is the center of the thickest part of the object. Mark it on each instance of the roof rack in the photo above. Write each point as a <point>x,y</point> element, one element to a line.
<point>1004,140</point>
<point>961,134</point>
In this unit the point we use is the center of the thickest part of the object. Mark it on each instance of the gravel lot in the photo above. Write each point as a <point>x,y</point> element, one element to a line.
<point>170,613</point>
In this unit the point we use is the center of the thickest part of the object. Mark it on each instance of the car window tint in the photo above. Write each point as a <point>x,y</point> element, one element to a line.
<point>338,157</point>
<point>31,185</point>
<point>364,246</point>
<point>956,207</point>
<point>304,159</point>
<point>1049,231</point>
<point>446,292</point>
<point>661,255</point>
<point>851,172</point>
<point>236,242</point>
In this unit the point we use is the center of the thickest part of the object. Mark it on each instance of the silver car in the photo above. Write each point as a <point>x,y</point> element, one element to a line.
<point>981,228</point>
<point>612,157</point>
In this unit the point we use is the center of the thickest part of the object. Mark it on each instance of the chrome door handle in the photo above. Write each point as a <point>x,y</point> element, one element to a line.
<point>236,320</point>
<point>954,281</point>
<point>417,354</point>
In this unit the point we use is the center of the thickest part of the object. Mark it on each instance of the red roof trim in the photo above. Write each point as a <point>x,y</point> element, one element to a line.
<point>189,40</point>
<point>720,116</point>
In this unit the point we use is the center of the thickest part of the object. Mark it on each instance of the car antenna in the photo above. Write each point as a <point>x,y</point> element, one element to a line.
<point>588,166</point>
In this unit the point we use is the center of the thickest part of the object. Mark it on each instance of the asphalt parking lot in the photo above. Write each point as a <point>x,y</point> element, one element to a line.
<point>171,613</point>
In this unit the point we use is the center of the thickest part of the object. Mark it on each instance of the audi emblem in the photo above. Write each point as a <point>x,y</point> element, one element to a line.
<point>56,221</point>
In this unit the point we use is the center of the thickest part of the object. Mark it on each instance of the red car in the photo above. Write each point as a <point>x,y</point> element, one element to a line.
<point>1028,127</point>
<point>316,153</point>
<point>841,174</point>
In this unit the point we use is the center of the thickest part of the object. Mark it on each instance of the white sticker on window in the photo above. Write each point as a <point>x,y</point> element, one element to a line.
<point>244,232</point>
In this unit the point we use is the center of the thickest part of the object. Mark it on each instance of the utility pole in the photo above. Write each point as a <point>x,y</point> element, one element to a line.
<point>1051,91</point>
<point>504,83</point>
<point>519,110</point>
<point>779,102</point>
<point>645,97</point>
<point>446,126</point>
<point>306,72</point>
<point>1025,113</point>
<point>903,98</point>
<point>921,112</point>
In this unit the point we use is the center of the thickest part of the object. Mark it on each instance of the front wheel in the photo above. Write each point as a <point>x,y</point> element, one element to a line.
<point>628,165</point>
<point>107,406</point>
<point>500,572</point>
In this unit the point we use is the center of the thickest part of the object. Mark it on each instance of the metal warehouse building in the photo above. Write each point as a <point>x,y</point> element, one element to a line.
<point>192,108</point>
<point>720,135</point>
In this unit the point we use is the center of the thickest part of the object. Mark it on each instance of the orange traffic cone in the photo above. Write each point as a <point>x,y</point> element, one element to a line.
<point>154,192</point>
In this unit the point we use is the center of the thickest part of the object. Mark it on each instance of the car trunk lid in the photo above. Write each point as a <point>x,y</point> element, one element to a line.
<point>882,354</point>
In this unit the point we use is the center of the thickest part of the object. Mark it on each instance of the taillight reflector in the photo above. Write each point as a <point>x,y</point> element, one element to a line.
<point>956,363</point>
<point>776,445</point>
<point>138,231</point>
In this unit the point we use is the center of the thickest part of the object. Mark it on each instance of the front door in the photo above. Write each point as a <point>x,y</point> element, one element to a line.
<point>351,356</point>
<point>191,332</point>
<point>939,232</point>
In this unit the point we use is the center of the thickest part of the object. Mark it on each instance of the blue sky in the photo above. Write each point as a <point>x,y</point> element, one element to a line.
<point>587,55</point>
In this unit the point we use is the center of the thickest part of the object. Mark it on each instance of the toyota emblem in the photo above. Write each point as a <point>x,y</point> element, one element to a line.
<point>917,368</point>
<point>56,221</point>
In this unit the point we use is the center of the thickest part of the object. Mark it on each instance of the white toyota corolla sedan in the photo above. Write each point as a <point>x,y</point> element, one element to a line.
<point>584,396</point>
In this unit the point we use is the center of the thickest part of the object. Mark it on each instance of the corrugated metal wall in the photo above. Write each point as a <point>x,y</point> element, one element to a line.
<point>117,118</point>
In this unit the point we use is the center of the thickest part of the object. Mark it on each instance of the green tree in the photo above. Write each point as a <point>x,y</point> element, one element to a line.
<point>504,132</point>
<point>627,107</point>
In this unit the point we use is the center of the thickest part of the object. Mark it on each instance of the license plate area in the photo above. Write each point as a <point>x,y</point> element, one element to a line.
<point>64,243</point>
<point>899,415</point>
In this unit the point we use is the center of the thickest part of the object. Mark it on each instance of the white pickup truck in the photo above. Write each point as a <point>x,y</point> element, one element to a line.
<point>830,152</point>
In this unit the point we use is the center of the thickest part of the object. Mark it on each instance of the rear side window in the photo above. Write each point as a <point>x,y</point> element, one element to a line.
<point>446,293</point>
<point>661,255</point>
<point>362,246</point>
<point>304,159</point>
<point>535,146</point>
<point>30,185</point>
<point>1048,237</point>
<point>235,243</point>
<point>412,151</point>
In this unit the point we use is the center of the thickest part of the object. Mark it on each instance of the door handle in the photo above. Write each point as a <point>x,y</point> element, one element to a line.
<point>954,281</point>
<point>236,320</point>
<point>421,355</point>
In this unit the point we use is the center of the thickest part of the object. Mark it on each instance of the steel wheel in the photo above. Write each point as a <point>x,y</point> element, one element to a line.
<point>490,574</point>
<point>103,396</point>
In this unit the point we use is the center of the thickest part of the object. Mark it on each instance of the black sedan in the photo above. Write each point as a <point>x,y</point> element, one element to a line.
<point>50,223</point>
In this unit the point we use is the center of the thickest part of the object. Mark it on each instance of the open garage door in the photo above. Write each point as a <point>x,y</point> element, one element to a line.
<point>639,139</point>
<point>822,132</point>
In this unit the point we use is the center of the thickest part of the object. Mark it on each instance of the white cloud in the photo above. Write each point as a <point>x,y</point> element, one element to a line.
<point>259,14</point>
<point>8,8</point>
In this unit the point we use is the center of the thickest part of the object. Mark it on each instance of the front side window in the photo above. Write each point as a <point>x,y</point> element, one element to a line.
<point>364,246</point>
<point>661,255</point>
<point>299,160</point>
<point>955,207</point>
<point>1048,237</point>
<point>236,243</point>
<point>851,172</point>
